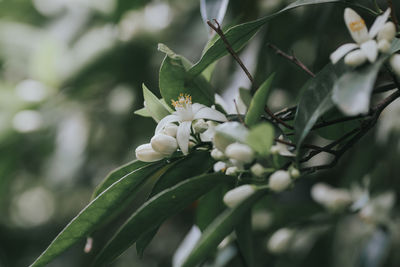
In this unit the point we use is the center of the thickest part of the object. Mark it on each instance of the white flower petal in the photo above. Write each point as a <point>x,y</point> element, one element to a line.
<point>210,114</point>
<point>182,136</point>
<point>379,23</point>
<point>167,119</point>
<point>342,51</point>
<point>356,26</point>
<point>370,49</point>
<point>196,107</point>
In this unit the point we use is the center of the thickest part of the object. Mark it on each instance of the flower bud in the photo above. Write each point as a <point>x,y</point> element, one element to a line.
<point>219,166</point>
<point>200,126</point>
<point>164,144</point>
<point>237,195</point>
<point>257,170</point>
<point>274,150</point>
<point>217,154</point>
<point>395,63</point>
<point>240,152</point>
<point>231,170</point>
<point>147,154</point>
<point>280,241</point>
<point>384,46</point>
<point>170,129</point>
<point>294,173</point>
<point>279,181</point>
<point>331,198</point>
<point>355,58</point>
<point>387,32</point>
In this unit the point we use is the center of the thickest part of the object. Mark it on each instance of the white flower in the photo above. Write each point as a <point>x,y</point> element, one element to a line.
<point>238,194</point>
<point>395,63</point>
<point>185,113</point>
<point>200,126</point>
<point>280,241</point>
<point>281,149</point>
<point>240,152</point>
<point>365,42</point>
<point>279,181</point>
<point>231,170</point>
<point>164,144</point>
<point>147,154</point>
<point>331,198</point>
<point>170,129</point>
<point>219,166</point>
<point>217,154</point>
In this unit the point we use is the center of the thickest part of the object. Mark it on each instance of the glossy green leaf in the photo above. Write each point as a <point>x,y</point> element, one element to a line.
<point>192,165</point>
<point>258,102</point>
<point>245,96</point>
<point>261,138</point>
<point>156,210</point>
<point>222,226</point>
<point>352,92</point>
<point>239,35</point>
<point>244,237</point>
<point>97,211</point>
<point>153,105</point>
<point>143,112</point>
<point>174,80</point>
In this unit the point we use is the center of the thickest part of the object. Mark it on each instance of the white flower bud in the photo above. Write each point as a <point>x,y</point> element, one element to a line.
<point>295,173</point>
<point>219,166</point>
<point>274,149</point>
<point>164,144</point>
<point>387,32</point>
<point>279,181</point>
<point>280,241</point>
<point>331,198</point>
<point>170,129</point>
<point>200,126</point>
<point>237,195</point>
<point>257,170</point>
<point>232,170</point>
<point>384,46</point>
<point>217,154</point>
<point>355,58</point>
<point>147,154</point>
<point>239,152</point>
<point>395,63</point>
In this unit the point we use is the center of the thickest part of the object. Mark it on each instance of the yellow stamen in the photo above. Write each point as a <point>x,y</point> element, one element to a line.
<point>357,25</point>
<point>183,101</point>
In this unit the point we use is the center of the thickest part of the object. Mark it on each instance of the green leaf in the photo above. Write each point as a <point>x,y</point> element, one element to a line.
<point>153,105</point>
<point>258,102</point>
<point>228,133</point>
<point>192,165</point>
<point>222,226</point>
<point>261,138</point>
<point>174,80</point>
<point>143,112</point>
<point>352,92</point>
<point>158,209</point>
<point>97,211</point>
<point>244,237</point>
<point>315,100</point>
<point>240,34</point>
<point>245,96</point>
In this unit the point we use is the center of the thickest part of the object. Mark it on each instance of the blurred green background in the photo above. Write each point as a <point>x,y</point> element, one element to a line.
<point>70,79</point>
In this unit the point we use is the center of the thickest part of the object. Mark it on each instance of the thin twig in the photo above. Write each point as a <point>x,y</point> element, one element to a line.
<point>293,59</point>
<point>393,13</point>
<point>237,111</point>
<point>314,147</point>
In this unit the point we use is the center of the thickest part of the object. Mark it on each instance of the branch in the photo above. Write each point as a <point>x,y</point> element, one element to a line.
<point>393,13</point>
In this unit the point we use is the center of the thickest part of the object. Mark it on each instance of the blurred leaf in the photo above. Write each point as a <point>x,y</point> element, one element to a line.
<point>258,102</point>
<point>245,96</point>
<point>352,92</point>
<point>376,250</point>
<point>244,237</point>
<point>153,105</point>
<point>156,210</point>
<point>336,131</point>
<point>222,226</point>
<point>97,211</point>
<point>239,35</point>
<point>261,138</point>
<point>213,9</point>
<point>175,80</point>
<point>229,132</point>
<point>192,165</point>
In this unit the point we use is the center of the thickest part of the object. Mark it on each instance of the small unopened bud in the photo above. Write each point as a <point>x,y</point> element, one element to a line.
<point>280,241</point>
<point>395,63</point>
<point>147,154</point>
<point>88,245</point>
<point>231,170</point>
<point>219,166</point>
<point>295,173</point>
<point>240,152</point>
<point>387,32</point>
<point>217,154</point>
<point>164,144</point>
<point>237,195</point>
<point>170,129</point>
<point>200,126</point>
<point>384,46</point>
<point>279,181</point>
<point>355,58</point>
<point>257,170</point>
<point>331,198</point>
<point>274,150</point>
